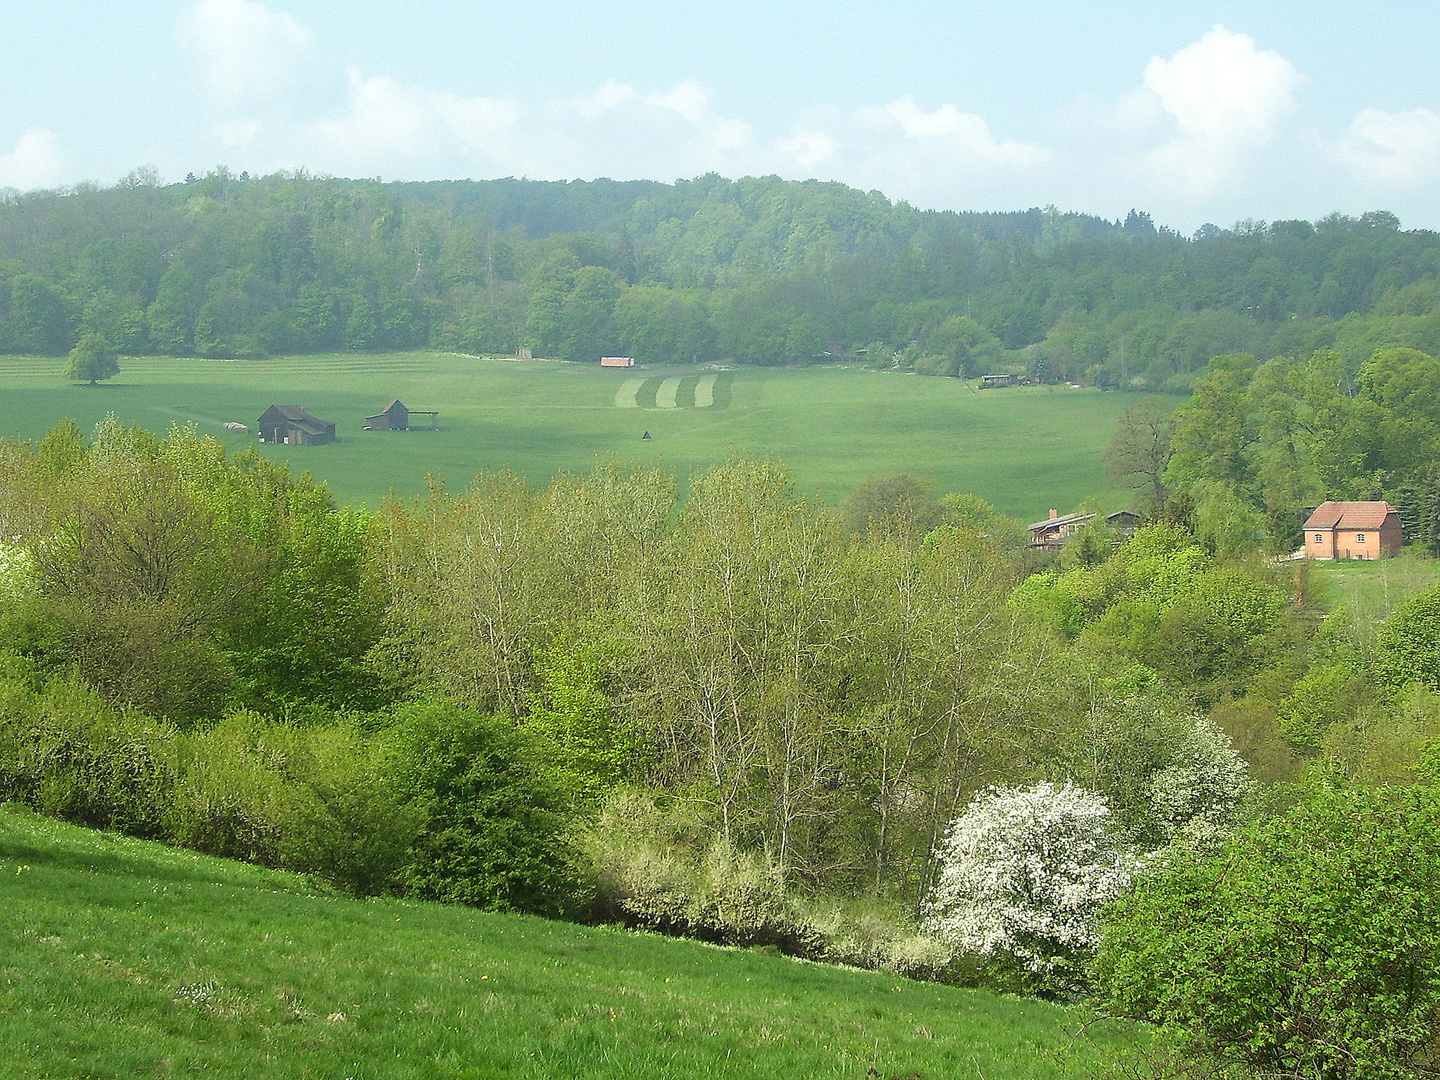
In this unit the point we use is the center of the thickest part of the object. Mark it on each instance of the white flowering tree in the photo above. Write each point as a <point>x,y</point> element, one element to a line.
<point>1024,872</point>
<point>1196,798</point>
<point>17,573</point>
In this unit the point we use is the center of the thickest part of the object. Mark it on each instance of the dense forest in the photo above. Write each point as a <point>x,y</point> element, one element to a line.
<point>756,270</point>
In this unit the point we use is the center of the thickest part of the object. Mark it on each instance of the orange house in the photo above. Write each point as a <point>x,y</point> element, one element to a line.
<point>1353,530</point>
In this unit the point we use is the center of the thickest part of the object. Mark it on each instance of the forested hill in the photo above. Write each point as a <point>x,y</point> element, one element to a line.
<point>756,270</point>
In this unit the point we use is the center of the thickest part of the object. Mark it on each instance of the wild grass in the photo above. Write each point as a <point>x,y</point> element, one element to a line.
<point>1370,590</point>
<point>120,958</point>
<point>1023,449</point>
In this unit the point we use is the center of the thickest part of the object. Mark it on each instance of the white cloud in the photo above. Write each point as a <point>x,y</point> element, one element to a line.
<point>608,95</point>
<point>1227,97</point>
<point>34,163</point>
<point>808,147</point>
<point>1393,149</point>
<point>962,135</point>
<point>251,54</point>
<point>689,99</point>
<point>387,121</point>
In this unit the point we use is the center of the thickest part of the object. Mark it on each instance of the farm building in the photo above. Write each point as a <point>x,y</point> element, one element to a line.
<point>290,425</point>
<point>617,361</point>
<point>990,382</point>
<point>1051,533</point>
<point>1353,530</point>
<point>394,417</point>
<point>1123,522</point>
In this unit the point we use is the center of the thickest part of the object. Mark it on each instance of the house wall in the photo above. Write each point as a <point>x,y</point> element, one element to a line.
<point>1353,543</point>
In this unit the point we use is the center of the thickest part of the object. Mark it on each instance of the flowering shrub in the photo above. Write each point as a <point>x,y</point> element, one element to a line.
<point>1024,873</point>
<point>17,573</point>
<point>1196,798</point>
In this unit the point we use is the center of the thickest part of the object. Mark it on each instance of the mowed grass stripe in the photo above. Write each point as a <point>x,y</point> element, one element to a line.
<point>666,394</point>
<point>704,392</point>
<point>625,396</point>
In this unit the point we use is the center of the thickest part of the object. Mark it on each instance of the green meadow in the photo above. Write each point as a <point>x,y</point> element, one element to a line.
<point>1023,449</point>
<point>120,958</point>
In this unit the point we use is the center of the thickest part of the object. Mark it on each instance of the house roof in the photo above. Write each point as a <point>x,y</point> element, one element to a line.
<point>1056,522</point>
<point>1349,515</point>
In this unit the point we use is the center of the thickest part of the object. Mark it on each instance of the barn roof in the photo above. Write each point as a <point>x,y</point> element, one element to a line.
<point>1349,515</point>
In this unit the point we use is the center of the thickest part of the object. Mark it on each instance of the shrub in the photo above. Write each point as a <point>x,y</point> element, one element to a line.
<point>69,754</point>
<point>713,893</point>
<point>493,832</point>
<point>312,798</point>
<point>1407,649</point>
<point>1023,873</point>
<point>1309,947</point>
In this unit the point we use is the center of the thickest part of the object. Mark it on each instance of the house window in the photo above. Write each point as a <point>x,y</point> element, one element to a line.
<point>1319,538</point>
<point>1359,538</point>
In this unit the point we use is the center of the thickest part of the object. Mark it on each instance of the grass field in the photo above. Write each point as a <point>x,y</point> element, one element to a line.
<point>1371,589</point>
<point>125,959</point>
<point>1024,449</point>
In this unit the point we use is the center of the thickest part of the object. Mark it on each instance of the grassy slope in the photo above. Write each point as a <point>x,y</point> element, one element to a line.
<point>1025,450</point>
<point>1372,589</point>
<point>125,959</point>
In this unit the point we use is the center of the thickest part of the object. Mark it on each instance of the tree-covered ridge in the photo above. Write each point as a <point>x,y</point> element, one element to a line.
<point>757,270</point>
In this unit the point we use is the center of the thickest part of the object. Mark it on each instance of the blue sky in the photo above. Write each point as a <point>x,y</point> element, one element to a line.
<point>1194,111</point>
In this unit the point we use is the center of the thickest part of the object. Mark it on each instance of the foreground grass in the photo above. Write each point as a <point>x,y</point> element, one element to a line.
<point>125,959</point>
<point>1023,449</point>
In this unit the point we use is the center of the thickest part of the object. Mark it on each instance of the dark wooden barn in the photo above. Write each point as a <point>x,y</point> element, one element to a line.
<point>290,425</point>
<point>396,417</point>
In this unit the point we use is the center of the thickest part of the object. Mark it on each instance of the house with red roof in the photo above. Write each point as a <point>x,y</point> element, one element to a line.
<point>1353,530</point>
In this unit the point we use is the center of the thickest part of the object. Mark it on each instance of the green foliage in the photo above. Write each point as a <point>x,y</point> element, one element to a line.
<point>901,504</point>
<point>493,833</point>
<point>577,727</point>
<point>315,798</point>
<point>1407,648</point>
<point>1309,947</point>
<point>181,581</point>
<point>66,752</point>
<point>92,360</point>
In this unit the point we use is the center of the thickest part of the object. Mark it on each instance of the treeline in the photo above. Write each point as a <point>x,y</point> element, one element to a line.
<point>757,270</point>
<point>1260,443</point>
<point>730,696</point>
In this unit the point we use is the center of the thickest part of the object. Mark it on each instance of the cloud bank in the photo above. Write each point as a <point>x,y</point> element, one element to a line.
<point>1210,125</point>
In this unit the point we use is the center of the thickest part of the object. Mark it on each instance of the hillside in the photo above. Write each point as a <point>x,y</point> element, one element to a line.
<point>120,958</point>
<point>756,270</point>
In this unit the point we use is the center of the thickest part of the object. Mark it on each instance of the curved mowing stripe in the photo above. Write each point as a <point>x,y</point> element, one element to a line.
<point>665,396</point>
<point>625,396</point>
<point>705,391</point>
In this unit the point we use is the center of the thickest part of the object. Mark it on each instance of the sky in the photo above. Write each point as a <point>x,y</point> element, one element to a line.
<point>1194,112</point>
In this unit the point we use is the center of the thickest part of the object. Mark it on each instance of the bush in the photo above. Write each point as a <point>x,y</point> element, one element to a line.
<point>493,833</point>
<point>311,798</point>
<point>1024,873</point>
<point>1309,947</point>
<point>69,754</point>
<point>645,879</point>
<point>1407,649</point>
